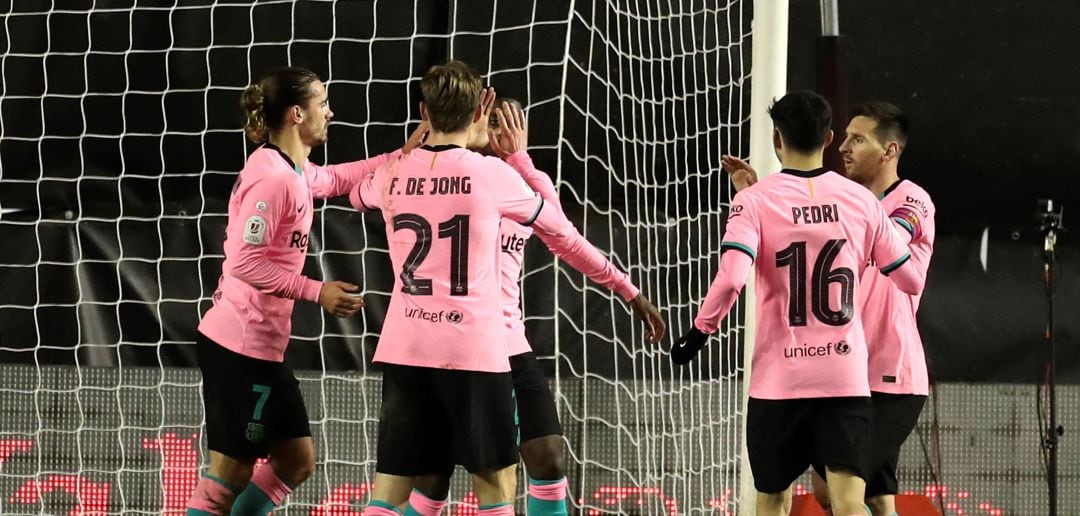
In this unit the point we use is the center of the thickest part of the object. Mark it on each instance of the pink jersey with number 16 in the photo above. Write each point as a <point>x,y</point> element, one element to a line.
<point>811,234</point>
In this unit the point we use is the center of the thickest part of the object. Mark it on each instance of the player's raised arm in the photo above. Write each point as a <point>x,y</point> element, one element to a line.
<point>512,144</point>
<point>340,179</point>
<point>519,203</point>
<point>738,249</point>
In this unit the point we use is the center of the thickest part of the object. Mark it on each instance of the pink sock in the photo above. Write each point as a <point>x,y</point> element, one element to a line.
<point>268,482</point>
<point>555,492</point>
<point>504,509</point>
<point>424,506</point>
<point>210,496</point>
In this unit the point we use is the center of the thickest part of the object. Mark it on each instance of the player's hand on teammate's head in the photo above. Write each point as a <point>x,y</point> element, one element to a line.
<point>686,348</point>
<point>487,104</point>
<point>417,137</point>
<point>647,312</point>
<point>742,174</point>
<point>513,133</point>
<point>341,299</point>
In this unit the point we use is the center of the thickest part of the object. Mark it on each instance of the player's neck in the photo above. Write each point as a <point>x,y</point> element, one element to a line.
<point>293,147</point>
<point>797,161</point>
<point>883,181</point>
<point>435,138</point>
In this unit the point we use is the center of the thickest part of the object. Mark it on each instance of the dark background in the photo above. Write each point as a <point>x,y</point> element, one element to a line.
<point>133,113</point>
<point>994,110</point>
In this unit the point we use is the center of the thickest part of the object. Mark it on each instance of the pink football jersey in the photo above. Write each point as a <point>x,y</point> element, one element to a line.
<point>443,209</point>
<point>897,362</point>
<point>811,234</point>
<point>266,240</point>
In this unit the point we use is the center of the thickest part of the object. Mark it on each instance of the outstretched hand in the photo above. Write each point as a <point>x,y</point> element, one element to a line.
<point>647,312</point>
<point>742,174</point>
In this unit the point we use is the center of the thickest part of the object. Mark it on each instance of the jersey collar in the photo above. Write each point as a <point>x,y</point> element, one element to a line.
<point>440,148</point>
<point>890,189</point>
<point>288,160</point>
<point>805,173</point>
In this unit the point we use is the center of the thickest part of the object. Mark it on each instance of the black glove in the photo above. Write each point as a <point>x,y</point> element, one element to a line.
<point>686,348</point>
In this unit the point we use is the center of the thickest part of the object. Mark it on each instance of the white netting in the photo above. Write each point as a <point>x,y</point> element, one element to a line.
<point>118,147</point>
<point>656,91</point>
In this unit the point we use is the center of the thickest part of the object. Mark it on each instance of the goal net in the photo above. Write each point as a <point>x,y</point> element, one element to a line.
<point>120,140</point>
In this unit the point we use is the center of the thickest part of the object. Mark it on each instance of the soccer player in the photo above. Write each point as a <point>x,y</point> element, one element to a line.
<point>253,404</point>
<point>899,384</point>
<point>815,232</point>
<point>447,389</point>
<point>542,447</point>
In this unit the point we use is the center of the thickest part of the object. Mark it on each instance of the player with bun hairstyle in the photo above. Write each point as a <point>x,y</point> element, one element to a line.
<point>254,408</point>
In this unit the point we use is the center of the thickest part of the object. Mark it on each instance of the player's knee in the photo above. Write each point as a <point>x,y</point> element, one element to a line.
<point>881,505</point>
<point>304,470</point>
<point>294,469</point>
<point>543,457</point>
<point>773,503</point>
<point>435,487</point>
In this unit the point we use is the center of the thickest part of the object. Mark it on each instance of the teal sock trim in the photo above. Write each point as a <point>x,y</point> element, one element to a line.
<point>538,507</point>
<point>409,511</point>
<point>491,506</point>
<point>536,482</point>
<point>252,502</point>
<point>196,512</point>
<point>234,489</point>
<point>384,505</point>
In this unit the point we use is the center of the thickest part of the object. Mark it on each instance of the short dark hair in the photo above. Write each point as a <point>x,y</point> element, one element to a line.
<point>264,103</point>
<point>803,119</point>
<point>451,93</point>
<point>892,124</point>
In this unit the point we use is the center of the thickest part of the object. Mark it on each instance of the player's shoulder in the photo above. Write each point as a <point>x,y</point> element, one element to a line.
<point>496,172</point>
<point>911,189</point>
<point>487,164</point>
<point>851,190</point>
<point>268,169</point>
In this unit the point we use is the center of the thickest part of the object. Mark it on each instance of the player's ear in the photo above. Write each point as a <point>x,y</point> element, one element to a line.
<point>297,114</point>
<point>892,149</point>
<point>777,141</point>
<point>423,112</point>
<point>828,139</point>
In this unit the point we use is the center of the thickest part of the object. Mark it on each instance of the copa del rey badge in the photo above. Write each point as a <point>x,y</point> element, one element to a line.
<point>254,230</point>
